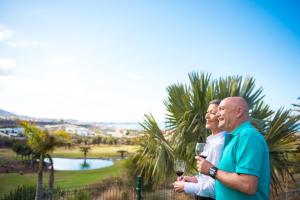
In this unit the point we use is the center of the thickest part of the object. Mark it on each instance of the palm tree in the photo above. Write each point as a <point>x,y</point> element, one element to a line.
<point>42,142</point>
<point>85,150</point>
<point>122,152</point>
<point>51,176</point>
<point>36,140</point>
<point>186,106</point>
<point>155,158</point>
<point>283,144</point>
<point>61,138</point>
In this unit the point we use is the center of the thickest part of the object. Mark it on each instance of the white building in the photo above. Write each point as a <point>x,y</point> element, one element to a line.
<point>11,132</point>
<point>73,129</point>
<point>119,132</point>
<point>79,130</point>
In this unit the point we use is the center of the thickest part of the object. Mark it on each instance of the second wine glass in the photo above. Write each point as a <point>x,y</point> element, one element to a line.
<point>179,167</point>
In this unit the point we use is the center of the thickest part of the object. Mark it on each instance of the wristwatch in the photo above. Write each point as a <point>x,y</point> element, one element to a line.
<point>212,172</point>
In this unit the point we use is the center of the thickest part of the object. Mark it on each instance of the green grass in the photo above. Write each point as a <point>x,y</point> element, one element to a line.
<point>101,151</point>
<point>95,152</point>
<point>66,179</point>
<point>63,179</point>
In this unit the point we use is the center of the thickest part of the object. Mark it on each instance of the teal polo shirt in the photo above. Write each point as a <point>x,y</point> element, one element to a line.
<point>246,153</point>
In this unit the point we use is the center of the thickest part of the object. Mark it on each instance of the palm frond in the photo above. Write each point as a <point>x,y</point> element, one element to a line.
<point>283,143</point>
<point>155,156</point>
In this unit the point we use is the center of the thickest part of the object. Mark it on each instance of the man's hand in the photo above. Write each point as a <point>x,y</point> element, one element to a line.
<point>178,186</point>
<point>203,165</point>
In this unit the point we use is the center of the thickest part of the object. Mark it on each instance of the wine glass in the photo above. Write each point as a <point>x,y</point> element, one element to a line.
<point>200,150</point>
<point>179,167</point>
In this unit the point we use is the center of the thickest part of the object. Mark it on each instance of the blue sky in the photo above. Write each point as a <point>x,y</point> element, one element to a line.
<point>112,60</point>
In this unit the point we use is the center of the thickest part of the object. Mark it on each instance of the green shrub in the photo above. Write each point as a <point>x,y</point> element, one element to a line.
<point>82,195</point>
<point>21,192</point>
<point>28,193</point>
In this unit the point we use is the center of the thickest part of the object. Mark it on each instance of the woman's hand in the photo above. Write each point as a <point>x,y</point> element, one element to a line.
<point>192,179</point>
<point>178,186</point>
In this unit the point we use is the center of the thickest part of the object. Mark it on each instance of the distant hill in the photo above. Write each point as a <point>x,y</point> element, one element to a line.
<point>6,113</point>
<point>8,119</point>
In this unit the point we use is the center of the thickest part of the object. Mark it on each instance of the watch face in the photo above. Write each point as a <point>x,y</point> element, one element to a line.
<point>212,172</point>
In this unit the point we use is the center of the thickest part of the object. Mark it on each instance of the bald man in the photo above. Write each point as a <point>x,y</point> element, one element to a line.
<point>244,169</point>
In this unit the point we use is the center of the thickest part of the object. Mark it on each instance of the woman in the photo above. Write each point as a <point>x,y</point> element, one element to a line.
<point>202,186</point>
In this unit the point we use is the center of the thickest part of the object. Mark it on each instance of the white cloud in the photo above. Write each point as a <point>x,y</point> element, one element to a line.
<point>24,44</point>
<point>6,66</point>
<point>57,61</point>
<point>5,33</point>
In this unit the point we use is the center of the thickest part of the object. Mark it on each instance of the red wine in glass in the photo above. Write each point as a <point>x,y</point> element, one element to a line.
<point>199,149</point>
<point>179,167</point>
<point>179,173</point>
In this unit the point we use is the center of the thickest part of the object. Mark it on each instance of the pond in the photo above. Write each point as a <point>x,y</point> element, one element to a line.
<point>79,164</point>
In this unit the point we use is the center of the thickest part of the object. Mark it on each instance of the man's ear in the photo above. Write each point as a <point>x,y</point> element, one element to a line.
<point>240,112</point>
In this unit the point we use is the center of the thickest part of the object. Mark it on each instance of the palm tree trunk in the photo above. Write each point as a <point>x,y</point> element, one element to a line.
<point>51,178</point>
<point>31,161</point>
<point>39,188</point>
